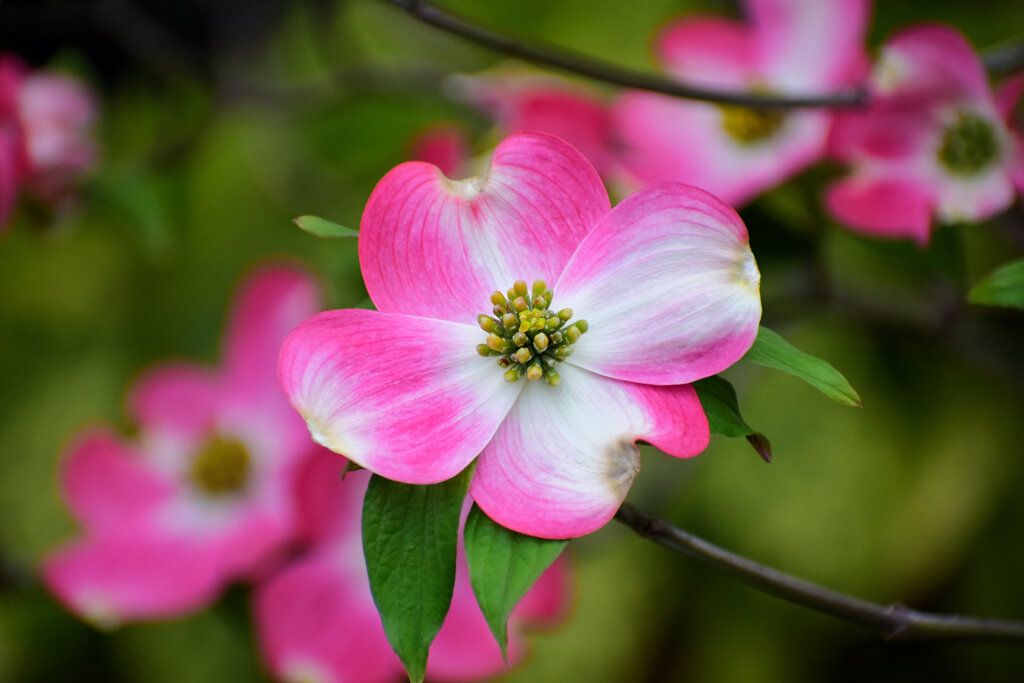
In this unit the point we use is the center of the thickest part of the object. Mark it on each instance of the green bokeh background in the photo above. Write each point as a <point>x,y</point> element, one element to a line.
<point>916,497</point>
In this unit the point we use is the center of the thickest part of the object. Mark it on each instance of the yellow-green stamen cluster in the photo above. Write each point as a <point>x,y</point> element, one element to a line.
<point>528,337</point>
<point>748,125</point>
<point>969,145</point>
<point>221,466</point>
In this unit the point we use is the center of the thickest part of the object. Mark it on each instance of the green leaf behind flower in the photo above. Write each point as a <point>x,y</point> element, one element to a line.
<point>1002,287</point>
<point>718,397</point>
<point>503,565</point>
<point>773,351</point>
<point>321,227</point>
<point>410,537</point>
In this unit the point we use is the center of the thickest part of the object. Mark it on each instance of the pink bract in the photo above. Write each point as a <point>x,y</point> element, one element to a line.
<point>665,280</point>
<point>521,101</point>
<point>316,619</point>
<point>444,146</point>
<point>784,47</point>
<point>203,496</point>
<point>932,146</point>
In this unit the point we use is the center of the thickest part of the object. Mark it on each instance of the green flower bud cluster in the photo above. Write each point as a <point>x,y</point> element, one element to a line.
<point>221,466</point>
<point>528,337</point>
<point>969,146</point>
<point>749,126</point>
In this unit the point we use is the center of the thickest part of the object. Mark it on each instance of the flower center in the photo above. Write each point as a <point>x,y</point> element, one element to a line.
<point>969,145</point>
<point>528,337</point>
<point>749,126</point>
<point>221,466</point>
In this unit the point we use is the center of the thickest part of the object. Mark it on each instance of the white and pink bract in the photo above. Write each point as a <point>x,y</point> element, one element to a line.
<point>204,495</point>
<point>665,281</point>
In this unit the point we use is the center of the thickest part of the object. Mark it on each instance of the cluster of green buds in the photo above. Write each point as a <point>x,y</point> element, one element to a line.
<point>221,466</point>
<point>528,337</point>
<point>969,146</point>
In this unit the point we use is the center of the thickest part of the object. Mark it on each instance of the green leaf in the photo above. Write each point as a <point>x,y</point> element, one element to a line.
<point>718,397</point>
<point>503,565</point>
<point>721,406</point>
<point>320,227</point>
<point>410,536</point>
<point>1002,287</point>
<point>773,351</point>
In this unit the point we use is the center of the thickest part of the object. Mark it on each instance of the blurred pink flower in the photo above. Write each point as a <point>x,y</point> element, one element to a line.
<point>203,495</point>
<point>665,281</point>
<point>316,619</point>
<point>784,47</point>
<point>57,113</point>
<point>522,100</point>
<point>932,144</point>
<point>46,125</point>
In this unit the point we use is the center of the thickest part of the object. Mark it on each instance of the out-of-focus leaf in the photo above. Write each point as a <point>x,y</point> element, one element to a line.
<point>410,536</point>
<point>503,565</point>
<point>773,351</point>
<point>321,227</point>
<point>1002,287</point>
<point>718,397</point>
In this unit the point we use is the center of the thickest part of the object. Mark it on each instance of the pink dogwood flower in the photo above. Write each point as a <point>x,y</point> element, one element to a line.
<point>316,619</point>
<point>663,290</point>
<point>204,495</point>
<point>784,47</point>
<point>932,145</point>
<point>46,143</point>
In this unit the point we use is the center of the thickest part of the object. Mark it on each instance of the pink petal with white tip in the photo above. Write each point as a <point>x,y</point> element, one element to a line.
<point>111,580</point>
<point>109,486</point>
<point>177,401</point>
<point>893,131</point>
<point>811,44</point>
<point>564,459</point>
<point>436,247</point>
<point>973,199</point>
<point>408,398</point>
<point>270,304</point>
<point>581,120</point>
<point>709,51</point>
<point>317,622</point>
<point>883,207</point>
<point>930,60</point>
<point>668,286</point>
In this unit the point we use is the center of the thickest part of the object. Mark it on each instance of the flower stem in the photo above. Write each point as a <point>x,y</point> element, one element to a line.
<point>611,73</point>
<point>894,622</point>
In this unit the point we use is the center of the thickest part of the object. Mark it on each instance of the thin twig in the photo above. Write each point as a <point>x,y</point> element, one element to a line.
<point>1004,59</point>
<point>894,622</point>
<point>612,73</point>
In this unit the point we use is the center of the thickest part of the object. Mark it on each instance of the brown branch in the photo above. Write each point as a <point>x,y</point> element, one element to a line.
<point>611,73</point>
<point>894,622</point>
